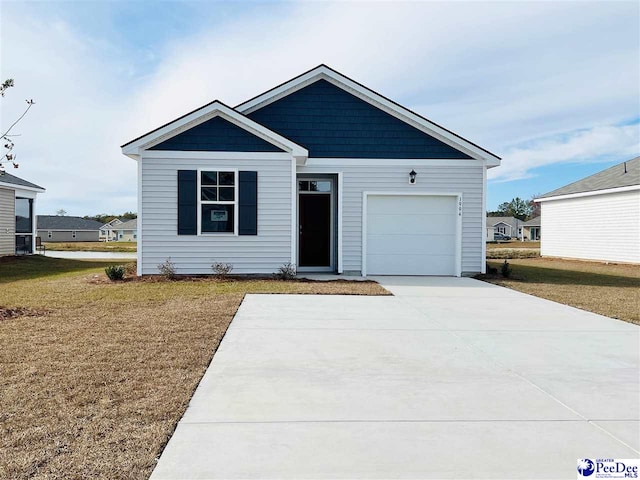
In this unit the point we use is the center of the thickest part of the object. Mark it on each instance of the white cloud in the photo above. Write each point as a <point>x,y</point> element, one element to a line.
<point>500,74</point>
<point>596,144</point>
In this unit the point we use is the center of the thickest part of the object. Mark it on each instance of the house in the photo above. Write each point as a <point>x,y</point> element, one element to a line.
<point>108,232</point>
<point>490,233</point>
<point>320,172</point>
<point>596,218</point>
<point>531,229</point>
<point>17,214</point>
<point>63,228</point>
<point>509,226</point>
<point>127,231</point>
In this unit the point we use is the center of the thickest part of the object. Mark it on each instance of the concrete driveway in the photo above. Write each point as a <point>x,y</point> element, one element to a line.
<point>449,378</point>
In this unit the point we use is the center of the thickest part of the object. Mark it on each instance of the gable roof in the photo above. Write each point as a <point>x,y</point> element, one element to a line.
<point>12,180</point>
<point>201,115</point>
<point>59,222</point>
<point>389,106</point>
<point>511,221</point>
<point>128,225</point>
<point>612,177</point>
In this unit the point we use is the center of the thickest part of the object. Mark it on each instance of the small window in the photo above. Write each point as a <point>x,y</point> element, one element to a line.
<point>217,202</point>
<point>73,234</point>
<point>49,235</point>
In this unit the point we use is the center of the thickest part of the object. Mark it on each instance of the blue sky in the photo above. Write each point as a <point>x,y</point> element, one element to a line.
<point>552,87</point>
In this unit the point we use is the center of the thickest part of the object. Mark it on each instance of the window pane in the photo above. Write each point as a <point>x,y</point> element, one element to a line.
<point>303,186</point>
<point>23,215</point>
<point>226,178</point>
<point>209,193</point>
<point>217,218</point>
<point>226,194</point>
<point>321,186</point>
<point>209,178</point>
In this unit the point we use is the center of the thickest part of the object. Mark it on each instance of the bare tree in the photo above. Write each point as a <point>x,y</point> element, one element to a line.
<point>61,213</point>
<point>8,156</point>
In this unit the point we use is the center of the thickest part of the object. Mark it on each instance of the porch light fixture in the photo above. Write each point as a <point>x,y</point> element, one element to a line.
<point>412,176</point>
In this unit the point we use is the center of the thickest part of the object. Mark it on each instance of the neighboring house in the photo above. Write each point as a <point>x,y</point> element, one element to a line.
<point>63,228</point>
<point>491,231</point>
<point>320,172</point>
<point>108,231</point>
<point>17,214</point>
<point>128,231</point>
<point>509,226</point>
<point>531,229</point>
<point>596,218</point>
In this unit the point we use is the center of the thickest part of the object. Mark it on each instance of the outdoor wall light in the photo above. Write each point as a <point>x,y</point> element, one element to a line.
<point>412,176</point>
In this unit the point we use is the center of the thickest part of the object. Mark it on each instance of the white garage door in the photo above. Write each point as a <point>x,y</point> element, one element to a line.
<point>411,235</point>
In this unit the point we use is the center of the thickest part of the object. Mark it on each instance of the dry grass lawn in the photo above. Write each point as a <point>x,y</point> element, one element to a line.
<point>608,289</point>
<point>91,246</point>
<point>513,244</point>
<point>95,375</point>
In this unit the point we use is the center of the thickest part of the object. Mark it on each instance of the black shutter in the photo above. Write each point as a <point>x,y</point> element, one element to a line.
<point>248,203</point>
<point>187,202</point>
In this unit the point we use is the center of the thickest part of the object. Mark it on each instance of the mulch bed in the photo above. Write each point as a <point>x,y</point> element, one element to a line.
<point>8,313</point>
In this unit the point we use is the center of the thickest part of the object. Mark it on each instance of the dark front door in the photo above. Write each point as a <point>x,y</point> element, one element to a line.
<point>314,230</point>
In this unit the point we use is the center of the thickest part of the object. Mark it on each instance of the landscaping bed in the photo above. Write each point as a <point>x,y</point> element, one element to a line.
<point>608,289</point>
<point>96,374</point>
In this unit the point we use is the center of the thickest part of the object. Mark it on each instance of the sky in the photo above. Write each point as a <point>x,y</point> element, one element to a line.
<point>551,87</point>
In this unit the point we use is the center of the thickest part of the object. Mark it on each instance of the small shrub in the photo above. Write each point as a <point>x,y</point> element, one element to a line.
<point>491,270</point>
<point>505,269</point>
<point>286,272</point>
<point>115,272</point>
<point>222,270</point>
<point>167,269</point>
<point>131,269</point>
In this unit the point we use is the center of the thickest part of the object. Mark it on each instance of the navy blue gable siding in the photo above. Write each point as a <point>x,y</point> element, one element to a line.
<point>219,135</point>
<point>332,123</point>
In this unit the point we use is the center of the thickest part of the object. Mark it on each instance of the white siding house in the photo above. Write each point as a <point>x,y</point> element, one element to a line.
<point>17,215</point>
<point>319,172</point>
<point>596,218</point>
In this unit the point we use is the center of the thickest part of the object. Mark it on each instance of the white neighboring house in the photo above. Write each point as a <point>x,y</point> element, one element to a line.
<point>17,215</point>
<point>596,218</point>
<point>108,231</point>
<point>127,231</point>
<point>320,172</point>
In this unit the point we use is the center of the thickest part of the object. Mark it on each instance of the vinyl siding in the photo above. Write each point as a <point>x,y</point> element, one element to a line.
<point>67,236</point>
<point>599,227</point>
<point>262,253</point>
<point>7,222</point>
<point>391,178</point>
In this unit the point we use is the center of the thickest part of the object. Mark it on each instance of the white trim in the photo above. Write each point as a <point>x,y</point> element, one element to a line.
<point>459,207</point>
<point>236,192</point>
<point>294,213</point>
<point>134,149</point>
<point>207,155</point>
<point>399,162</point>
<point>340,187</point>
<point>373,98</point>
<point>483,261</point>
<point>13,186</point>
<point>629,188</point>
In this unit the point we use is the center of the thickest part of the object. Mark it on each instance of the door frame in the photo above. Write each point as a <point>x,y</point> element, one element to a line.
<point>335,247</point>
<point>456,195</point>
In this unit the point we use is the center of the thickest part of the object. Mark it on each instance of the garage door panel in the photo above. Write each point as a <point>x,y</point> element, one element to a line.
<point>411,235</point>
<point>411,205</point>
<point>410,244</point>
<point>418,224</point>
<point>400,264</point>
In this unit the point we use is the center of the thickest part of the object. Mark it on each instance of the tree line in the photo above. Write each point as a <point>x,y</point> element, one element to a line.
<point>518,208</point>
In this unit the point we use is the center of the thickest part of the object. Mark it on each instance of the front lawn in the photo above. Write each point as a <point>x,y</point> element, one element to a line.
<point>91,246</point>
<point>608,289</point>
<point>512,244</point>
<point>95,375</point>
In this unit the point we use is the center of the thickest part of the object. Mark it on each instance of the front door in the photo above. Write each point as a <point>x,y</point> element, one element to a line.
<point>315,231</point>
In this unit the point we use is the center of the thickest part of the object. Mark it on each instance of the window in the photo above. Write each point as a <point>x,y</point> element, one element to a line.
<point>49,234</point>
<point>24,215</point>
<point>73,234</point>
<point>217,202</point>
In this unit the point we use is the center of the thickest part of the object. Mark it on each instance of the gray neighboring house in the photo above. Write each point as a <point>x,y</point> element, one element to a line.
<point>17,219</point>
<point>509,226</point>
<point>58,228</point>
<point>127,231</point>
